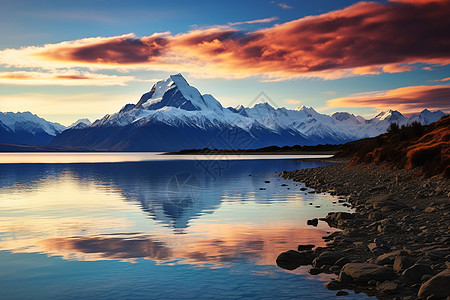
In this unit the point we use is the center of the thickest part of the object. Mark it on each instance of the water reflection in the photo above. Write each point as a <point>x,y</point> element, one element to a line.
<point>127,211</point>
<point>217,247</point>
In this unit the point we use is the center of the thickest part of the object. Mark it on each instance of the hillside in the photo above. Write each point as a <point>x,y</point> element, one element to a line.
<point>407,147</point>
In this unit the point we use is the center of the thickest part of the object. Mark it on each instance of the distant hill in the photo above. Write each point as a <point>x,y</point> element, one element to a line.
<point>407,147</point>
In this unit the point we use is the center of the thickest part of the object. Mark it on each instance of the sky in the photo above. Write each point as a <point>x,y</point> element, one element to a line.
<point>66,60</point>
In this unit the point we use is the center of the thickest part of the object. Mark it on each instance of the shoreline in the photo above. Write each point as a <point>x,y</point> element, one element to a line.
<point>237,152</point>
<point>397,241</point>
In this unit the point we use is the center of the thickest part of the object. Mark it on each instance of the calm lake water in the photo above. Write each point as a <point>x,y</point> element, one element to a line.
<point>155,227</point>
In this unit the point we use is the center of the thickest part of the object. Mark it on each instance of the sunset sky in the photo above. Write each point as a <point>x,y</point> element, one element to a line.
<point>65,60</point>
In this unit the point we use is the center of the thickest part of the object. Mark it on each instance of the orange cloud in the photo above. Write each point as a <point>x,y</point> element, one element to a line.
<point>365,38</point>
<point>70,78</point>
<point>408,100</point>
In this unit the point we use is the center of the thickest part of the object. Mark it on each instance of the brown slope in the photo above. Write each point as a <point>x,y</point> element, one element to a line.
<point>408,147</point>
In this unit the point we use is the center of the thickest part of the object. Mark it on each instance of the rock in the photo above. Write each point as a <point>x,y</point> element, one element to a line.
<point>379,201</point>
<point>415,273</point>
<point>334,217</point>
<point>305,247</point>
<point>341,293</point>
<point>267,181</point>
<point>430,209</point>
<point>426,278</point>
<point>313,222</point>
<point>335,269</point>
<point>262,189</point>
<point>314,271</point>
<point>364,272</point>
<point>375,216</point>
<point>303,189</point>
<point>327,258</point>
<point>284,184</point>
<point>333,285</point>
<point>438,253</point>
<point>388,258</point>
<point>439,286</point>
<point>342,261</point>
<point>372,282</point>
<point>377,248</point>
<point>292,259</point>
<point>387,287</point>
<point>372,246</point>
<point>388,228</point>
<point>402,262</point>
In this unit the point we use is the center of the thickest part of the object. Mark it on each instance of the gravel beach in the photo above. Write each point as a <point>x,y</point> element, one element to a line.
<point>397,243</point>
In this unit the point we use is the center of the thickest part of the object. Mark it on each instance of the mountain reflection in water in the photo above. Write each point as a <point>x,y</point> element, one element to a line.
<point>88,212</point>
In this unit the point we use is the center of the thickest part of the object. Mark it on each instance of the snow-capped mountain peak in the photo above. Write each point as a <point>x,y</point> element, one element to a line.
<point>176,92</point>
<point>30,122</point>
<point>426,117</point>
<point>26,128</point>
<point>345,117</point>
<point>391,115</point>
<point>260,110</point>
<point>85,122</point>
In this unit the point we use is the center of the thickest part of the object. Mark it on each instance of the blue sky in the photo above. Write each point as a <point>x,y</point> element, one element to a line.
<point>28,82</point>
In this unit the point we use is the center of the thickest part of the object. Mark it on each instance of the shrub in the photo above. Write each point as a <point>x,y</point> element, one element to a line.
<point>393,128</point>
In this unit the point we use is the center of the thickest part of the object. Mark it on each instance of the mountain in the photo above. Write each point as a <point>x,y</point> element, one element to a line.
<point>174,115</point>
<point>426,117</point>
<point>25,128</point>
<point>81,123</point>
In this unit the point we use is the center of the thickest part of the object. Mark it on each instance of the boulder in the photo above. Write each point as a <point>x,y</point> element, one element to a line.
<point>402,262</point>
<point>342,261</point>
<point>333,285</point>
<point>327,258</point>
<point>364,272</point>
<point>387,287</point>
<point>292,259</point>
<point>388,258</point>
<point>336,216</point>
<point>314,271</point>
<point>438,286</point>
<point>415,273</point>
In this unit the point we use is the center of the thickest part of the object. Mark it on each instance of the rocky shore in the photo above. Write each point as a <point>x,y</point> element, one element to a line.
<point>397,243</point>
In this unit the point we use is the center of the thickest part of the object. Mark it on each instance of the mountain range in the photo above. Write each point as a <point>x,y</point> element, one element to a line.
<point>174,115</point>
<point>25,128</point>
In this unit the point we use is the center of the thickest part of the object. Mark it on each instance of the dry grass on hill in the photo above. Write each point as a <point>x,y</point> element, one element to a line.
<point>409,147</point>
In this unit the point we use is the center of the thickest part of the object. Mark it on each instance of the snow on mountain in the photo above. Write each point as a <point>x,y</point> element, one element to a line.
<point>27,129</point>
<point>174,115</point>
<point>30,122</point>
<point>426,117</point>
<point>175,91</point>
<point>81,123</point>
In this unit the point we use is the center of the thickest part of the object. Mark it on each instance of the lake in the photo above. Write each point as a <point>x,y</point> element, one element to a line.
<point>140,225</point>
